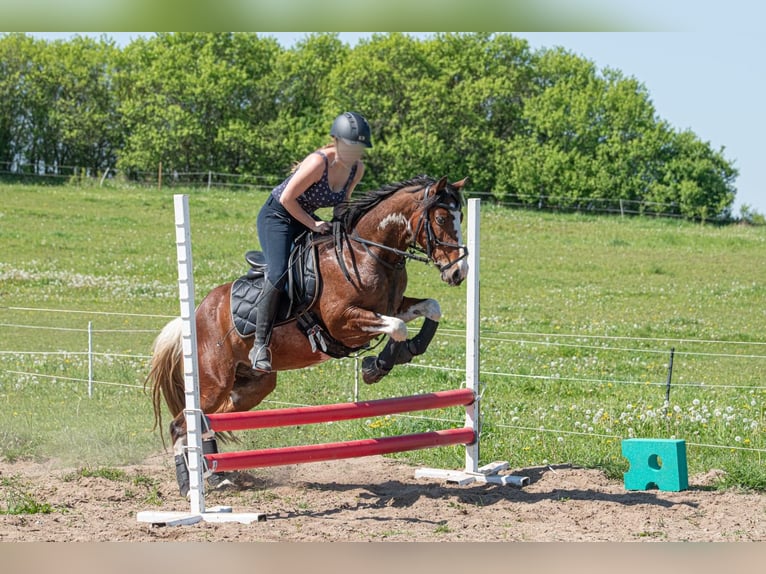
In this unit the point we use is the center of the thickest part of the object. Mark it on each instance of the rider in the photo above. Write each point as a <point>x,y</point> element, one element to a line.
<point>325,178</point>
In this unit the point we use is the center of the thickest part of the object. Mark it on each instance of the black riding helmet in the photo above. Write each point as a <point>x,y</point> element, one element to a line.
<point>352,127</point>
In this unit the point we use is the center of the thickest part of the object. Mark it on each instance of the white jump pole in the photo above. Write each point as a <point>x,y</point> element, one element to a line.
<point>472,472</point>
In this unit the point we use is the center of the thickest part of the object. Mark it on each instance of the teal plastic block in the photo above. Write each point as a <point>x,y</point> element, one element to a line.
<point>656,462</point>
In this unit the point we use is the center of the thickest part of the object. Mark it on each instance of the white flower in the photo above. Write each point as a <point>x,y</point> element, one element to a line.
<point>738,438</point>
<point>696,402</point>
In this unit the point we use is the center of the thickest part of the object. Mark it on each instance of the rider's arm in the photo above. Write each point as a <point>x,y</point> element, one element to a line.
<point>308,173</point>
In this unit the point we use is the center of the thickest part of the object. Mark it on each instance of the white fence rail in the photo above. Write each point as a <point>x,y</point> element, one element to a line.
<point>490,376</point>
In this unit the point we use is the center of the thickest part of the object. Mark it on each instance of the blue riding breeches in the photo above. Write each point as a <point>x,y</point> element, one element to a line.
<point>277,230</point>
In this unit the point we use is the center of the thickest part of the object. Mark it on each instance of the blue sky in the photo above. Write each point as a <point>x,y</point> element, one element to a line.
<point>707,77</point>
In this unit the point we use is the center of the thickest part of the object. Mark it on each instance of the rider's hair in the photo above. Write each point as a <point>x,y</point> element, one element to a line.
<point>297,164</point>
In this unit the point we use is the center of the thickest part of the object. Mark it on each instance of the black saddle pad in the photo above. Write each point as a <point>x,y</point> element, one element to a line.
<point>301,288</point>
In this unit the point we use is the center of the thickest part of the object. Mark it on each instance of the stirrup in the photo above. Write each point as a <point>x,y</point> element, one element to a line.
<point>260,359</point>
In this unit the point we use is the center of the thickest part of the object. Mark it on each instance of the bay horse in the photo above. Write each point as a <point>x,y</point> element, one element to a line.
<point>361,297</point>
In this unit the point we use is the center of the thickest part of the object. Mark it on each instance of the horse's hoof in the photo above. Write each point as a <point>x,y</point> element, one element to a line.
<point>370,371</point>
<point>219,481</point>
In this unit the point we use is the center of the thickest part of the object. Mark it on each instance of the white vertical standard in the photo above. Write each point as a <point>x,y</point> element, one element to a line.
<point>191,368</point>
<point>472,472</point>
<point>192,410</point>
<point>473,292</point>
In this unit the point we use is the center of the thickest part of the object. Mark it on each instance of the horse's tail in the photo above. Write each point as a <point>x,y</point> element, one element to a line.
<point>166,372</point>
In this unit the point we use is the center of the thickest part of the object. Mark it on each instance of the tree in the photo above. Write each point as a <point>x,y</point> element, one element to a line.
<point>195,101</point>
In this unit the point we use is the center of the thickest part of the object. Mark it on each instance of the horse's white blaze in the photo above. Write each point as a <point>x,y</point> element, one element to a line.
<point>429,308</point>
<point>392,326</point>
<point>395,219</point>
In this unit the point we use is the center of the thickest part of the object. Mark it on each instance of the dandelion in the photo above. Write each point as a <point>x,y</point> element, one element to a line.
<point>737,438</point>
<point>560,439</point>
<point>696,402</point>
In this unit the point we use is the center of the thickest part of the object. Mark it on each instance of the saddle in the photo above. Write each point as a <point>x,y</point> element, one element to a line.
<point>302,290</point>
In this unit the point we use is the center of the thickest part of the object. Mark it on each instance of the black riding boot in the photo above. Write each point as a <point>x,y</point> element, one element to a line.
<point>266,309</point>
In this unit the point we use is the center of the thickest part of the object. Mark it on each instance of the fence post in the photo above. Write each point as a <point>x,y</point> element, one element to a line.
<point>209,179</point>
<point>90,359</point>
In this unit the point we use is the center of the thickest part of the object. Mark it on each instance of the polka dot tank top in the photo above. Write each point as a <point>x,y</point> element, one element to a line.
<point>319,193</point>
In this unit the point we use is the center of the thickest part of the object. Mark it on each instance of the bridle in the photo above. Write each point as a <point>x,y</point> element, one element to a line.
<point>432,242</point>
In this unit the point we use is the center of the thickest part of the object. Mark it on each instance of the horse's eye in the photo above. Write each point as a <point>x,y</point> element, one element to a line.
<point>440,220</point>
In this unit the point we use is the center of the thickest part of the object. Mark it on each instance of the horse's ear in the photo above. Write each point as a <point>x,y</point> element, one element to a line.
<point>441,184</point>
<point>462,183</point>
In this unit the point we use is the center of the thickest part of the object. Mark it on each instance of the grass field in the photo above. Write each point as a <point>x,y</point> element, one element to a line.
<point>579,315</point>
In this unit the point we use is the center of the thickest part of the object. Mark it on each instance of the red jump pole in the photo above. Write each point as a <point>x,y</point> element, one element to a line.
<point>242,460</point>
<point>339,412</point>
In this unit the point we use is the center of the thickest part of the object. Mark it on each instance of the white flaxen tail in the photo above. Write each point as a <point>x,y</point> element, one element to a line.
<point>166,372</point>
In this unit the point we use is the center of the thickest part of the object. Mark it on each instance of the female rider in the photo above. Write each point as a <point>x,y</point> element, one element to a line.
<point>324,178</point>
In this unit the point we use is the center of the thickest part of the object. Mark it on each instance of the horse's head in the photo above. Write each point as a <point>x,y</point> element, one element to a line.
<point>438,229</point>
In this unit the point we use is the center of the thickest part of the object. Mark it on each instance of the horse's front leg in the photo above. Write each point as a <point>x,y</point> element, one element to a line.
<point>398,352</point>
<point>412,308</point>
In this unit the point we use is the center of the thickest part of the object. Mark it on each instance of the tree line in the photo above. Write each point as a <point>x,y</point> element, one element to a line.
<point>531,127</point>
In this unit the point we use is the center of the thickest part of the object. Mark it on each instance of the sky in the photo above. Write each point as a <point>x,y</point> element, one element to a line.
<point>707,77</point>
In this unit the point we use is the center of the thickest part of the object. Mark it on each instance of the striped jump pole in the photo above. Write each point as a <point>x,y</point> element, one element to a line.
<point>221,422</point>
<point>469,397</point>
<point>222,462</point>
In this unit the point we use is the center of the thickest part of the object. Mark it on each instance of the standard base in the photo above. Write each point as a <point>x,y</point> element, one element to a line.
<point>487,474</point>
<point>215,514</point>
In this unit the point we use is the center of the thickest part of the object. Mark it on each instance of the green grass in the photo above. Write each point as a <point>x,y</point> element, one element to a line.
<point>16,499</point>
<point>578,316</point>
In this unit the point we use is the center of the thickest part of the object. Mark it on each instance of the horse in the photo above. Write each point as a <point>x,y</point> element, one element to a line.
<point>361,296</point>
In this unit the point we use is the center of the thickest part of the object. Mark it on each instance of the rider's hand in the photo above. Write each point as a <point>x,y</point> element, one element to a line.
<point>322,227</point>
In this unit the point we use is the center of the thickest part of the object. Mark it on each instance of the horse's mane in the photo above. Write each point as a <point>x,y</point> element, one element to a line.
<point>349,212</point>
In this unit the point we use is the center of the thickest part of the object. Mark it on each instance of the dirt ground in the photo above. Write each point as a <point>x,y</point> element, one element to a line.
<point>377,499</point>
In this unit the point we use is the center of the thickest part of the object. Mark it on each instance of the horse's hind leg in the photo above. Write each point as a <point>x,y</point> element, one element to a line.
<point>250,388</point>
<point>178,435</point>
<point>213,398</point>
